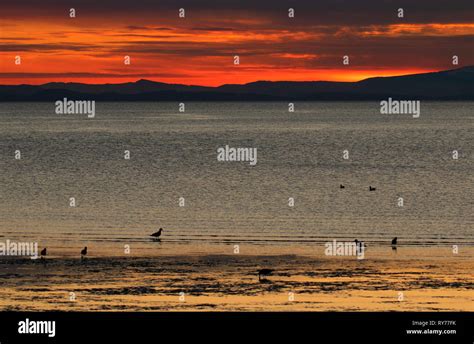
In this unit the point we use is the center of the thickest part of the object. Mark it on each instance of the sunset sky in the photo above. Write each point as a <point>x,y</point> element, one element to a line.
<point>200,48</point>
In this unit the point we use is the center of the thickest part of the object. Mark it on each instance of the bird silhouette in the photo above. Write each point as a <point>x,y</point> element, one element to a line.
<point>359,245</point>
<point>157,235</point>
<point>43,253</point>
<point>264,272</point>
<point>394,243</point>
<point>83,252</point>
<point>372,188</point>
<point>342,186</point>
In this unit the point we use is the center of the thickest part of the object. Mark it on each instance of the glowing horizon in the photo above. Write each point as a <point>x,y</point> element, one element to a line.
<point>199,49</point>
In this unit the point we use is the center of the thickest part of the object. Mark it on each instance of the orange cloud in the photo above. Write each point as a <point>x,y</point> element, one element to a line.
<point>65,50</point>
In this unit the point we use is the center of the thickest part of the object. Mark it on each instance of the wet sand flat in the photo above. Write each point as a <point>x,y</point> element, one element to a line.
<point>230,283</point>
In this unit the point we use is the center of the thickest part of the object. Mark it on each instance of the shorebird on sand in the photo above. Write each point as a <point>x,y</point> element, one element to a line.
<point>157,235</point>
<point>83,252</point>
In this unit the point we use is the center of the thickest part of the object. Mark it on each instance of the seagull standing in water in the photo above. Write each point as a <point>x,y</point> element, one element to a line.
<point>157,235</point>
<point>83,252</point>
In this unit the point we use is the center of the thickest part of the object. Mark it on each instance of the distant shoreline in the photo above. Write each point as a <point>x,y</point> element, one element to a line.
<point>445,85</point>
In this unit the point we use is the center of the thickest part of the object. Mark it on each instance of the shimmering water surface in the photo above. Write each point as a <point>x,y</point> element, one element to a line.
<point>173,155</point>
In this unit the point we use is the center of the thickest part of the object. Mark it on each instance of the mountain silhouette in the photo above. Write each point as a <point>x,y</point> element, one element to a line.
<point>456,84</point>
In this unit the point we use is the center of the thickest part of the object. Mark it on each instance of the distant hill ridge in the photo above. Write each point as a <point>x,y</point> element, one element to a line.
<point>456,84</point>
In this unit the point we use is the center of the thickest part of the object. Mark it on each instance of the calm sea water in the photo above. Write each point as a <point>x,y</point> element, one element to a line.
<point>173,155</point>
